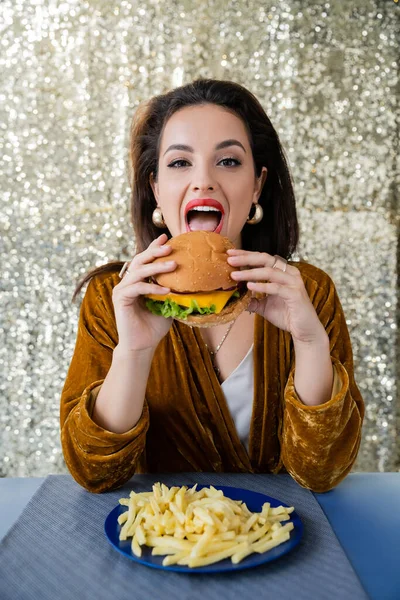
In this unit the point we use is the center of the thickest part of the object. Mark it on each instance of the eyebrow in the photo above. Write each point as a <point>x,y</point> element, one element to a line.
<point>219,146</point>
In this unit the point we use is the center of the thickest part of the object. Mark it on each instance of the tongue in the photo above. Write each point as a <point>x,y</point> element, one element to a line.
<point>203,221</point>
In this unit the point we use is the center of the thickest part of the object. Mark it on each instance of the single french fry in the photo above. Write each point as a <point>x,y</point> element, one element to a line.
<point>125,531</point>
<point>136,549</point>
<point>180,499</point>
<point>239,556</point>
<point>122,518</point>
<point>276,518</point>
<point>203,515</point>
<point>256,535</point>
<point>218,524</point>
<point>245,510</point>
<point>211,558</point>
<point>212,492</point>
<point>170,542</point>
<point>172,559</point>
<point>269,544</point>
<point>177,512</point>
<point>132,528</point>
<point>262,520</point>
<point>216,547</point>
<point>155,506</point>
<point>157,492</point>
<point>249,523</point>
<point>279,510</point>
<point>161,550</point>
<point>200,547</point>
<point>283,529</point>
<point>227,535</point>
<point>140,536</point>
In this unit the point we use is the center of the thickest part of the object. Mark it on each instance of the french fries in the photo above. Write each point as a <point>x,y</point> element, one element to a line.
<point>198,528</point>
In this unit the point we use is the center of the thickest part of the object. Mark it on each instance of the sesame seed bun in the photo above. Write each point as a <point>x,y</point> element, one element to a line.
<point>201,263</point>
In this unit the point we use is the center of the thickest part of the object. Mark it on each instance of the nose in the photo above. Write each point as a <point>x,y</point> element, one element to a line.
<point>203,180</point>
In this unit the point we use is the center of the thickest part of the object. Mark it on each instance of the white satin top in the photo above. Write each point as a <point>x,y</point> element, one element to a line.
<point>238,390</point>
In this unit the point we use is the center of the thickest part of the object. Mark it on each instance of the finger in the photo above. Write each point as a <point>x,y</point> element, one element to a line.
<point>157,243</point>
<point>148,270</point>
<point>264,274</point>
<point>251,258</point>
<point>142,288</point>
<point>271,289</point>
<point>257,259</point>
<point>234,251</point>
<point>161,239</point>
<point>157,248</point>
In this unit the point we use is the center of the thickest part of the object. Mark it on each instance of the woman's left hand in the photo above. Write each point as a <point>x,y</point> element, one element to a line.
<point>286,304</point>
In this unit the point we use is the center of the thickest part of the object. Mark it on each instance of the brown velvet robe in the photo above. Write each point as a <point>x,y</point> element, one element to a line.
<point>186,424</point>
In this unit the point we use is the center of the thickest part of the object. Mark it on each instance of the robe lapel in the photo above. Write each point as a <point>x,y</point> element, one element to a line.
<point>220,424</point>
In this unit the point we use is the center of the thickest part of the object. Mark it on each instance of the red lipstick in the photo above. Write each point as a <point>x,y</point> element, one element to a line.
<point>205,202</point>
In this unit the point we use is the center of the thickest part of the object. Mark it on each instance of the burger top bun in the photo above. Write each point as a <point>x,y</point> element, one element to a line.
<point>201,263</point>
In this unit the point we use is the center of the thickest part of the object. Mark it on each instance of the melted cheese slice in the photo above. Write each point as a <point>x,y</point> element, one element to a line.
<point>204,299</point>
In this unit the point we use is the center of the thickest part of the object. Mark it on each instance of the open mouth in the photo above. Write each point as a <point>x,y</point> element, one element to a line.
<point>204,218</point>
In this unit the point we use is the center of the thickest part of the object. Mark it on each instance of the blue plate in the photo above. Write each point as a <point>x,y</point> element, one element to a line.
<point>254,502</point>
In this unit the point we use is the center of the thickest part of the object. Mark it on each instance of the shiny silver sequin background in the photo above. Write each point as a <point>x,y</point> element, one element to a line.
<point>72,74</point>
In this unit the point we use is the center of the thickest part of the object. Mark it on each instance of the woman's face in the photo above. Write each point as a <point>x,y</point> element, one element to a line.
<point>202,171</point>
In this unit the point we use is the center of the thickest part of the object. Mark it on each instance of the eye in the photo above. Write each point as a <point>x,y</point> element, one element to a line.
<point>175,163</point>
<point>234,160</point>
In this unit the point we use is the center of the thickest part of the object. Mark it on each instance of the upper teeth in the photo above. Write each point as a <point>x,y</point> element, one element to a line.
<point>205,208</point>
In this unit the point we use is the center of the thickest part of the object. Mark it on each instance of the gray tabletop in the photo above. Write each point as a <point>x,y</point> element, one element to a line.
<point>59,545</point>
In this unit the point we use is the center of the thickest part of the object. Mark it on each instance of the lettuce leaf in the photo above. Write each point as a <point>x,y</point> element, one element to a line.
<point>168,308</point>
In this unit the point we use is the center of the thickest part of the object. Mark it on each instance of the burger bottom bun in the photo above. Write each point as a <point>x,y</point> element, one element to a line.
<point>231,311</point>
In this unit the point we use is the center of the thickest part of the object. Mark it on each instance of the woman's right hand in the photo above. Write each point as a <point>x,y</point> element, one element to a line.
<point>138,328</point>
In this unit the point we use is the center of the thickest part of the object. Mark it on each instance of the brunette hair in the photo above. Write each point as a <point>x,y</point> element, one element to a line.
<point>277,232</point>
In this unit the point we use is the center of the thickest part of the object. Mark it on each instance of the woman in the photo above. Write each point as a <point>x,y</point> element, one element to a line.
<point>149,394</point>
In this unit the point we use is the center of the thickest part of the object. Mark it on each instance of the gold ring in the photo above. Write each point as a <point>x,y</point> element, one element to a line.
<point>123,270</point>
<point>280,263</point>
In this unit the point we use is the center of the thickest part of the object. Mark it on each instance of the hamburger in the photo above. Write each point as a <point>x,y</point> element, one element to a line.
<point>202,291</point>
